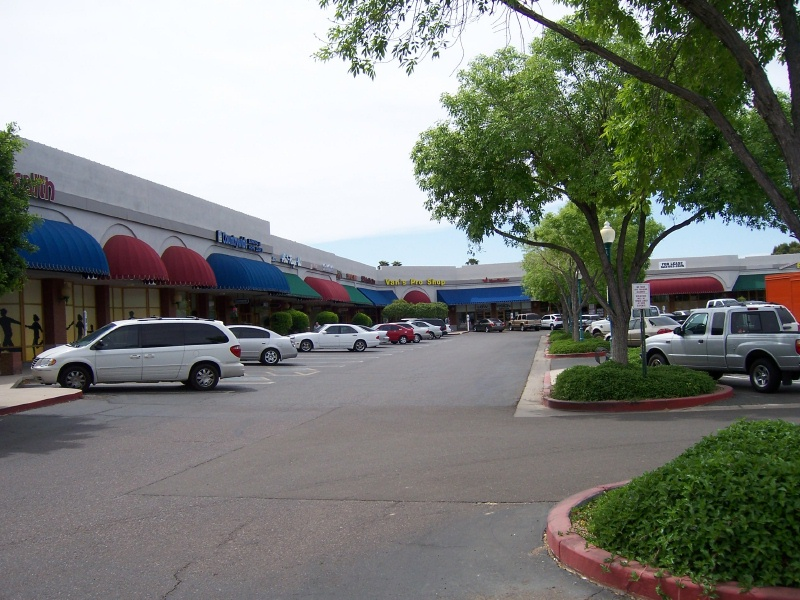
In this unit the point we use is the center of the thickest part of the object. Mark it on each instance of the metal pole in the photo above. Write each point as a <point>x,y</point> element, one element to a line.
<point>580,310</point>
<point>608,289</point>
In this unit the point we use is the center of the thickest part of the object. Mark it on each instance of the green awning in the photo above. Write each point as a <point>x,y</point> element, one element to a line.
<point>749,283</point>
<point>299,288</point>
<point>356,297</point>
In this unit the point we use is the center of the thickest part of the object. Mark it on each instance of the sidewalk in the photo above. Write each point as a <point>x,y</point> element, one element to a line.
<point>19,393</point>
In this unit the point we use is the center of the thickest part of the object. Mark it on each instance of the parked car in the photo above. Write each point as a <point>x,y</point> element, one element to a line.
<point>652,326</point>
<point>263,345</point>
<point>681,315</point>
<point>396,333</point>
<point>420,332</point>
<point>587,320</point>
<point>719,302</point>
<point>525,321</point>
<point>382,336</point>
<point>488,325</point>
<point>440,323</point>
<point>552,321</point>
<point>434,331</point>
<point>336,336</point>
<point>196,352</point>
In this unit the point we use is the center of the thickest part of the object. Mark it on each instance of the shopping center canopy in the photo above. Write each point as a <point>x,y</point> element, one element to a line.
<point>187,267</point>
<point>379,297</point>
<point>65,247</point>
<point>131,258</point>
<point>299,288</point>
<point>509,293</point>
<point>239,273</point>
<point>685,285</point>
<point>329,290</point>
<point>416,297</point>
<point>356,297</point>
<point>749,283</point>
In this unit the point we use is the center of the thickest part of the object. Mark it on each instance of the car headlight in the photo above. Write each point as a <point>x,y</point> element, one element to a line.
<point>46,362</point>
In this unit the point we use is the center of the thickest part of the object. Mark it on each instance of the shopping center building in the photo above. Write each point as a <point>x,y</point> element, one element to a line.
<point>112,245</point>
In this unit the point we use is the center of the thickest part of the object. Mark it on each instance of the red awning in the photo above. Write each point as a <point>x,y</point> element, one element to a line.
<point>129,258</point>
<point>187,267</point>
<point>329,290</point>
<point>417,297</point>
<point>684,285</point>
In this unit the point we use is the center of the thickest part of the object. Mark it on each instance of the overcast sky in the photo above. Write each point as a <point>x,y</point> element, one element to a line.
<point>224,101</point>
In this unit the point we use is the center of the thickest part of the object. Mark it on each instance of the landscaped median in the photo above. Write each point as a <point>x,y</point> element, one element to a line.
<point>719,521</point>
<point>614,387</point>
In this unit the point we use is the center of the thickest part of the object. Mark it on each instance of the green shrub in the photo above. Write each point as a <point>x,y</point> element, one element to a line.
<point>326,316</point>
<point>727,509</point>
<point>614,381</point>
<point>559,334</point>
<point>281,322</point>
<point>567,346</point>
<point>361,318</point>
<point>300,321</point>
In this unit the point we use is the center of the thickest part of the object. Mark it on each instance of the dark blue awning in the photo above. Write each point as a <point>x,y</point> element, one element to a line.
<point>379,297</point>
<point>236,273</point>
<point>67,248</point>
<point>510,293</point>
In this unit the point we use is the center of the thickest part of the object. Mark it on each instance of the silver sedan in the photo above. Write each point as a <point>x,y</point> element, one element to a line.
<point>263,345</point>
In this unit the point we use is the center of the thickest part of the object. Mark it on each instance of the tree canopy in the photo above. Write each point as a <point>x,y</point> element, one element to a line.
<point>15,220</point>
<point>712,56</point>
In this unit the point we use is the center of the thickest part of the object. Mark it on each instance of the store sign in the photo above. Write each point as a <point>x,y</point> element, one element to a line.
<point>414,281</point>
<point>240,242</point>
<point>672,264</point>
<point>288,259</point>
<point>44,191</point>
<point>495,280</point>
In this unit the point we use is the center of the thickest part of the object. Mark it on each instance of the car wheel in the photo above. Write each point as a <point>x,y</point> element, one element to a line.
<point>204,377</point>
<point>306,346</point>
<point>360,346</point>
<point>270,356</point>
<point>417,338</point>
<point>403,339</point>
<point>431,335</point>
<point>765,376</point>
<point>75,377</point>
<point>597,333</point>
<point>552,326</point>
<point>657,359</point>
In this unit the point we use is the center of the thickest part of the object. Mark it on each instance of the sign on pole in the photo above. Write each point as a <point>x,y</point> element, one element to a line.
<point>641,300</point>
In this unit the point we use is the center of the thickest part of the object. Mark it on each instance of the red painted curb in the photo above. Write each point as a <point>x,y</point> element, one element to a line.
<point>722,392</point>
<point>10,410</point>
<point>633,578</point>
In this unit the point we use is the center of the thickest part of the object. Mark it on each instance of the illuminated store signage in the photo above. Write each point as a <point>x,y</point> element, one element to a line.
<point>240,242</point>
<point>415,281</point>
<point>44,191</point>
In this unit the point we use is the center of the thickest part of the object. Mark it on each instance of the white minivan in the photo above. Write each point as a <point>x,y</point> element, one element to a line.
<point>196,352</point>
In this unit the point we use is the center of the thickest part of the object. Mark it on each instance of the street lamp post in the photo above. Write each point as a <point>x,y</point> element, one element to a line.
<point>608,234</point>
<point>580,307</point>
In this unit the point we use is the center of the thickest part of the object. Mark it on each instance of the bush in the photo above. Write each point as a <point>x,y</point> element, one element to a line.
<point>361,318</point>
<point>614,381</point>
<point>727,509</point>
<point>568,346</point>
<point>281,322</point>
<point>300,321</point>
<point>326,317</point>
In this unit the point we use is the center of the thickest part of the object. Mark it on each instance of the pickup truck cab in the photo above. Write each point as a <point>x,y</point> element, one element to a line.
<point>761,341</point>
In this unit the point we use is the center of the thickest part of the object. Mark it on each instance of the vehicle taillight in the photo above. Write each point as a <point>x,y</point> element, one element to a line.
<point>236,350</point>
<point>664,330</point>
<point>797,345</point>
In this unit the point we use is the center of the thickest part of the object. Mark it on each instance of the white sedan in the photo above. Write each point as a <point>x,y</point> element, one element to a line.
<point>336,336</point>
<point>263,345</point>
<point>425,329</point>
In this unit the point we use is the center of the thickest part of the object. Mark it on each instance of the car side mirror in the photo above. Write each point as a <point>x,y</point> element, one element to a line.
<point>678,330</point>
<point>99,345</point>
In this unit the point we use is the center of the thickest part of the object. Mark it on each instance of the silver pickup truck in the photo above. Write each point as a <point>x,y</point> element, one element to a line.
<point>761,341</point>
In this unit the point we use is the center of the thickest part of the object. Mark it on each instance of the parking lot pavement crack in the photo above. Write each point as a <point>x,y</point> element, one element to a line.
<point>178,579</point>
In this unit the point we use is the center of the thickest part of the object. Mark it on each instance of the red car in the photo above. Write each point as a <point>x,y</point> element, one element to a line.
<point>397,332</point>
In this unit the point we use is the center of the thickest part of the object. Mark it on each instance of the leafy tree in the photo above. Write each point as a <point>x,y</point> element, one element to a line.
<point>383,263</point>
<point>397,263</point>
<point>327,316</point>
<point>281,322</point>
<point>15,220</point>
<point>300,321</point>
<point>713,57</point>
<point>792,247</point>
<point>472,261</point>
<point>361,318</point>
<point>397,310</point>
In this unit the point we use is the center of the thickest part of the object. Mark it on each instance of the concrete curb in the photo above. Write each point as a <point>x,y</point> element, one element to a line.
<point>32,404</point>
<point>722,392</point>
<point>633,578</point>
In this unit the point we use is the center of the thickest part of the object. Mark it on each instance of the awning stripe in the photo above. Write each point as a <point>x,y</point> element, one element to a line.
<point>187,267</point>
<point>512,293</point>
<point>65,247</point>
<point>356,297</point>
<point>685,285</point>
<point>328,289</point>
<point>379,297</point>
<point>131,258</point>
<point>237,273</point>
<point>299,288</point>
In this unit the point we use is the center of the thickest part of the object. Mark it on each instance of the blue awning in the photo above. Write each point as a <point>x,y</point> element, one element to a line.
<point>67,248</point>
<point>510,293</point>
<point>379,297</point>
<point>236,273</point>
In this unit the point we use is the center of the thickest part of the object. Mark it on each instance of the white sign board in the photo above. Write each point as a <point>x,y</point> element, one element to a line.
<point>641,295</point>
<point>672,264</point>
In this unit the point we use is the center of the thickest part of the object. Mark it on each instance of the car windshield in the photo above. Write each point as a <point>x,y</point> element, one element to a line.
<point>93,337</point>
